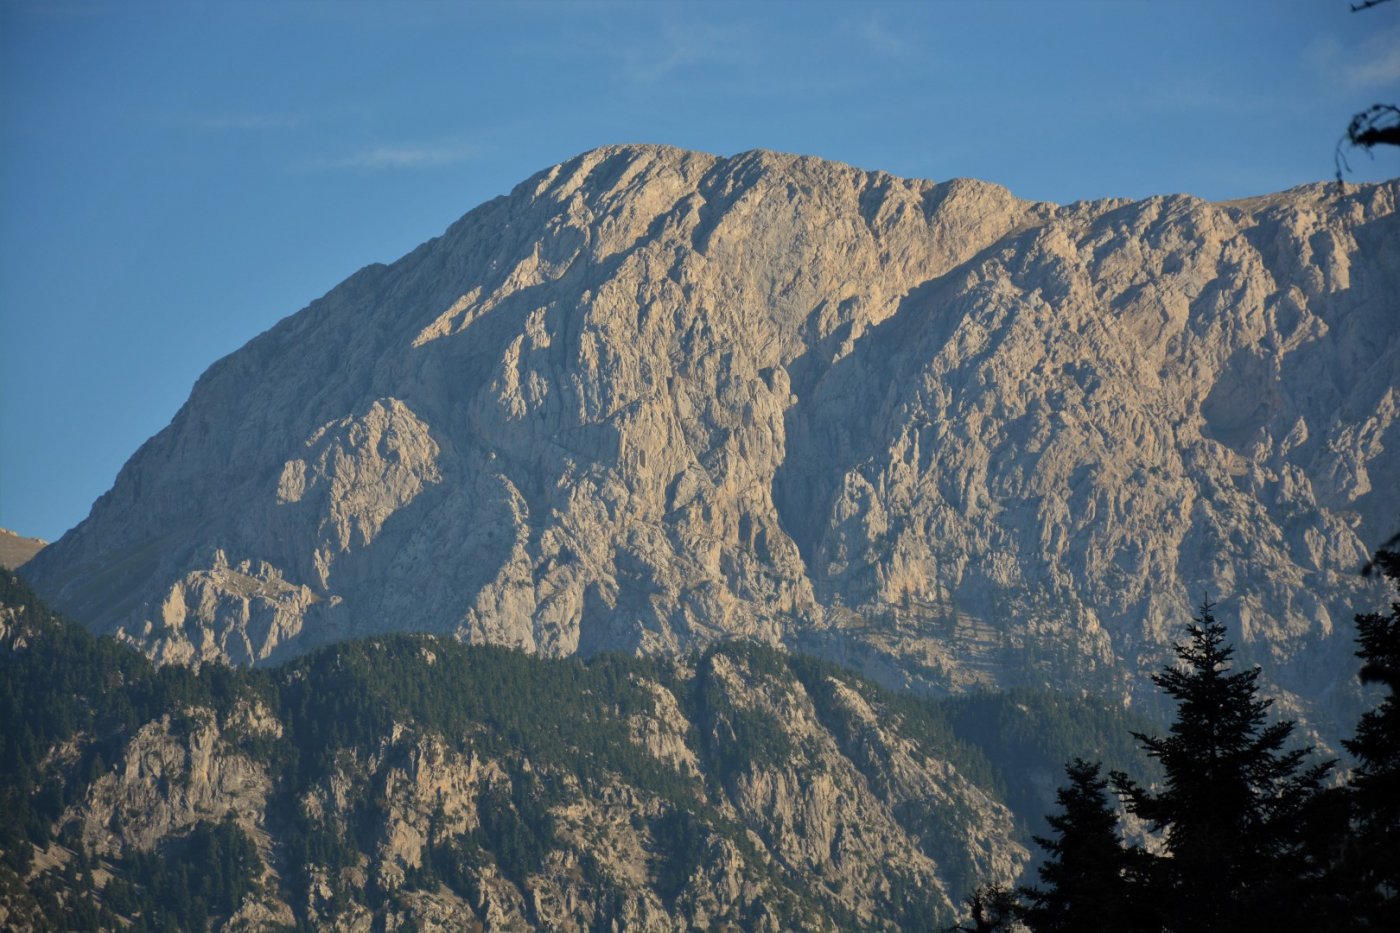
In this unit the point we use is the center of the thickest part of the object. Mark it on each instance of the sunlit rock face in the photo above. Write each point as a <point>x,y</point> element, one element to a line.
<point>654,398</point>
<point>15,549</point>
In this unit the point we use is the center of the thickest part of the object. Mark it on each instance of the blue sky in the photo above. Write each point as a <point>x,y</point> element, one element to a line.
<point>175,178</point>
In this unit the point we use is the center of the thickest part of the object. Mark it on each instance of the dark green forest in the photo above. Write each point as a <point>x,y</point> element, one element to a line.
<point>1255,830</point>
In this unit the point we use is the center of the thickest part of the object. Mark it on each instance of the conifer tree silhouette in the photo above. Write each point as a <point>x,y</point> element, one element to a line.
<point>1234,803</point>
<point>1371,868</point>
<point>1089,880</point>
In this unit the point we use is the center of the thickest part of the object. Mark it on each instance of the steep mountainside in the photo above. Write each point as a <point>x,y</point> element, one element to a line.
<point>653,398</point>
<point>415,782</point>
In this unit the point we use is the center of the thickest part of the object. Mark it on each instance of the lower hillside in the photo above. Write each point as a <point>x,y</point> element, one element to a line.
<point>414,781</point>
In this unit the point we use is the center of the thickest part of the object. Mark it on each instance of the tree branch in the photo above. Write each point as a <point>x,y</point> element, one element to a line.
<point>1377,125</point>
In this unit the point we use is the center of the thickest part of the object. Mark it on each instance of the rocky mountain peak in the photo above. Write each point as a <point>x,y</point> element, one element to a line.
<point>655,397</point>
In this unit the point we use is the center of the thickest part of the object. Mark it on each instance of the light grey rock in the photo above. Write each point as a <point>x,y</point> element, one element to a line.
<point>654,397</point>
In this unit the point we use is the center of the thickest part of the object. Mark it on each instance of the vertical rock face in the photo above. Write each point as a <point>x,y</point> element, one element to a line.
<point>654,397</point>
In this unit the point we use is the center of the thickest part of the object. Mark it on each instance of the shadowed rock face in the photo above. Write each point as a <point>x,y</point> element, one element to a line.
<point>655,397</point>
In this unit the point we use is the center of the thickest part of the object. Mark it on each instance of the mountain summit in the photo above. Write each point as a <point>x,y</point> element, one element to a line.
<point>654,398</point>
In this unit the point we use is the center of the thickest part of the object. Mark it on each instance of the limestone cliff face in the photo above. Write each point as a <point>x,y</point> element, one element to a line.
<point>653,397</point>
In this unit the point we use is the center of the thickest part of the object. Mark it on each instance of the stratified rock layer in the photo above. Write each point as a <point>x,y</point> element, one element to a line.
<point>655,397</point>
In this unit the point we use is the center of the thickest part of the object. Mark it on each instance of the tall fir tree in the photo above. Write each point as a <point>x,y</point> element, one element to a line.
<point>1233,804</point>
<point>1089,878</point>
<point>1371,868</point>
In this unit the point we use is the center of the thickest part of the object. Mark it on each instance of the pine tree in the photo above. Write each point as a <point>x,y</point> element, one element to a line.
<point>1233,804</point>
<point>992,908</point>
<point>1088,879</point>
<point>1372,866</point>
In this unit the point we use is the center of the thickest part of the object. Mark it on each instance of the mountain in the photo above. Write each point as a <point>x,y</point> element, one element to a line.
<point>15,550</point>
<point>654,398</point>
<point>416,782</point>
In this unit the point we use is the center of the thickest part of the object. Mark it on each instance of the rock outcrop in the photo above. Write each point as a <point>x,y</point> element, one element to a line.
<point>414,782</point>
<point>16,550</point>
<point>654,397</point>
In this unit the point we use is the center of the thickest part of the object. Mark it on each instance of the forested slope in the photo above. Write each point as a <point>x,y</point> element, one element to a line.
<point>413,779</point>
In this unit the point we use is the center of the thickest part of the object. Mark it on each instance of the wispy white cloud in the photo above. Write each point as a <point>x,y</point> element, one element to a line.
<point>1373,64</point>
<point>681,46</point>
<point>1185,94</point>
<point>1379,69</point>
<point>879,38</point>
<point>401,156</point>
